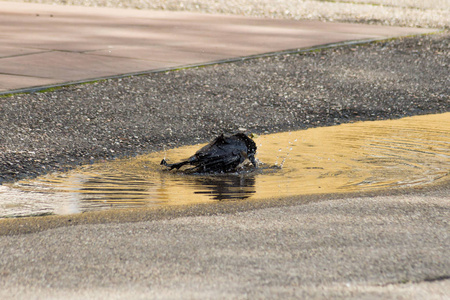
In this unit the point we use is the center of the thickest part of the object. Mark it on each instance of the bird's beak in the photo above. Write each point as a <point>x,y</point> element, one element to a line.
<point>253,160</point>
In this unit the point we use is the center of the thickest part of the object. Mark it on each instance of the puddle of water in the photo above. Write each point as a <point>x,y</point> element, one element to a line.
<point>346,158</point>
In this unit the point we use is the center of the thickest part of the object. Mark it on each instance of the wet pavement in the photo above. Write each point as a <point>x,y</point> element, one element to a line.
<point>342,159</point>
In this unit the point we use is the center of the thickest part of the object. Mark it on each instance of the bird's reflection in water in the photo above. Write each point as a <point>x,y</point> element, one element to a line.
<point>124,190</point>
<point>226,187</point>
<point>359,157</point>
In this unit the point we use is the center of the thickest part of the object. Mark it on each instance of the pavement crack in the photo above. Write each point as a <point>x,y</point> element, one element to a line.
<point>24,75</point>
<point>25,54</point>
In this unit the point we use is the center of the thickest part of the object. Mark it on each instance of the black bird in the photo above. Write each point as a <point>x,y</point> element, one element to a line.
<point>224,154</point>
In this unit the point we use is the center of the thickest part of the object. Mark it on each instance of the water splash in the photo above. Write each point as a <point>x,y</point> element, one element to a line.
<point>346,158</point>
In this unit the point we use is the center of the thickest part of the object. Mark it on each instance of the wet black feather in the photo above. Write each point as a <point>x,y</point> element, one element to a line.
<point>224,154</point>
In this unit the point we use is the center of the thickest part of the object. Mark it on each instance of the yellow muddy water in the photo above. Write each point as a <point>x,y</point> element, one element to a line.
<point>353,157</point>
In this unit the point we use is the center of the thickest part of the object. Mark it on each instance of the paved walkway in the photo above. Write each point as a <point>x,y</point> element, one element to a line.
<point>44,45</point>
